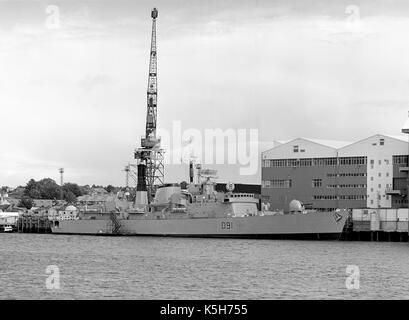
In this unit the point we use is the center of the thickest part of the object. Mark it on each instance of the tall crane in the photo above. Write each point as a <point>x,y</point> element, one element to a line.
<point>150,156</point>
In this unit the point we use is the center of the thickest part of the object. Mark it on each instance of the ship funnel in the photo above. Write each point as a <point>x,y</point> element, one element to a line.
<point>191,171</point>
<point>141,198</point>
<point>141,184</point>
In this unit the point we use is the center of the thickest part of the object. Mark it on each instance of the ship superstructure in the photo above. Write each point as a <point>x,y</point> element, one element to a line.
<point>200,211</point>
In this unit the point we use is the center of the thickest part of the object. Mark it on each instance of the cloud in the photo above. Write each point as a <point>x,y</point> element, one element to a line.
<point>76,96</point>
<point>91,81</point>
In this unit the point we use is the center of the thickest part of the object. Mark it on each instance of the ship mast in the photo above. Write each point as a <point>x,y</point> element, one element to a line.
<point>150,156</point>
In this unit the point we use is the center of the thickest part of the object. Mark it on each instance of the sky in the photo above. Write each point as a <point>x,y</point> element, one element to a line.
<point>73,81</point>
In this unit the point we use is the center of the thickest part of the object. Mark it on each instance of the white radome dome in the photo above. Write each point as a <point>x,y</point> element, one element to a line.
<point>70,208</point>
<point>296,206</point>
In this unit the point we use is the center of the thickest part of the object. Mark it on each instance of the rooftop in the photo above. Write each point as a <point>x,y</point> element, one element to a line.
<point>336,144</point>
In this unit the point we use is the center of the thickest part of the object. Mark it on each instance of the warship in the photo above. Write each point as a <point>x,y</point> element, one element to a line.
<point>200,211</point>
<point>163,209</point>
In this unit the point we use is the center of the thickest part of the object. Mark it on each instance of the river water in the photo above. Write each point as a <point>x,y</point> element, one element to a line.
<point>91,267</point>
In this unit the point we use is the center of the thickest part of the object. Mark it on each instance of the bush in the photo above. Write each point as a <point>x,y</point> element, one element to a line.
<point>26,202</point>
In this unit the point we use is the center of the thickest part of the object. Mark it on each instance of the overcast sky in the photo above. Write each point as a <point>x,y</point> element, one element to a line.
<point>75,96</point>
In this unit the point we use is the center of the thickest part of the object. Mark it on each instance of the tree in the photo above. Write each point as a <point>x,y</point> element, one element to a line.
<point>85,189</point>
<point>110,188</point>
<point>26,202</point>
<point>183,185</point>
<point>30,188</point>
<point>73,188</point>
<point>43,189</point>
<point>70,197</point>
<point>35,194</point>
<point>49,189</point>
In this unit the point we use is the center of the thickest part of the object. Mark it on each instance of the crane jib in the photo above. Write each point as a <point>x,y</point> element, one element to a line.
<point>151,156</point>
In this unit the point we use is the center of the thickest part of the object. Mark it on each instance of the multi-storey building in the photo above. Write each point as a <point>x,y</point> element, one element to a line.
<point>325,175</point>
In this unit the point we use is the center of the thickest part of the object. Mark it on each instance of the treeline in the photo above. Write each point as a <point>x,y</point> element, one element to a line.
<point>48,189</point>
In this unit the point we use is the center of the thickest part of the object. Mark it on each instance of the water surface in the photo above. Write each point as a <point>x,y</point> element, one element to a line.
<point>94,267</point>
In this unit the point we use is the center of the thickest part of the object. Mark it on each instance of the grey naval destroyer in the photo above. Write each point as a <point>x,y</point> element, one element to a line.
<point>197,211</point>
<point>200,211</point>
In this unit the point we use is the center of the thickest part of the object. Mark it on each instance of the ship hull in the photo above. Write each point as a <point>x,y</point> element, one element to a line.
<point>321,226</point>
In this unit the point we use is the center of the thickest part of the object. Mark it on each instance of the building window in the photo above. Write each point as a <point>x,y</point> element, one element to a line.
<point>325,161</point>
<point>278,163</point>
<point>381,142</point>
<point>371,178</point>
<point>295,148</point>
<point>332,186</point>
<point>342,197</point>
<point>278,184</point>
<point>379,186</point>
<point>387,174</point>
<point>379,162</point>
<point>317,183</point>
<point>379,174</point>
<point>353,197</point>
<point>371,201</point>
<point>292,162</point>
<point>352,160</point>
<point>305,162</point>
<point>400,159</point>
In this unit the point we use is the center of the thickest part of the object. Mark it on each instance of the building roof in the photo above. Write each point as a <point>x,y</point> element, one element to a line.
<point>336,144</point>
<point>398,137</point>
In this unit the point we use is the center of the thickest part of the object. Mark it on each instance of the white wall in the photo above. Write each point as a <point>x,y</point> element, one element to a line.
<point>382,155</point>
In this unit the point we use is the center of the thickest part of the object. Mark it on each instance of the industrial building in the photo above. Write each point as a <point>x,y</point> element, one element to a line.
<point>325,175</point>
